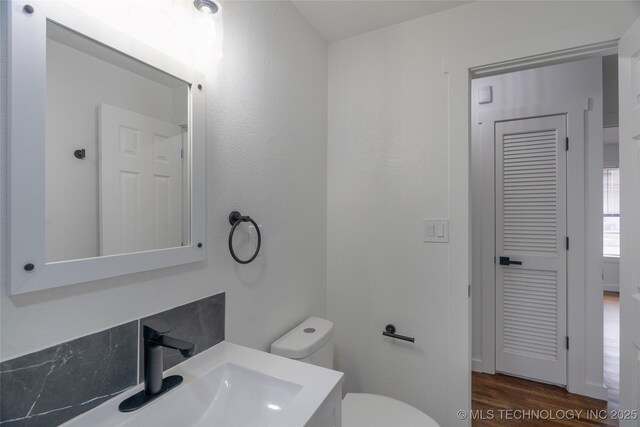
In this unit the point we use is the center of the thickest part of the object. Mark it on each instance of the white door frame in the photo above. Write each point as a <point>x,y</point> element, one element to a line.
<point>575,228</point>
<point>542,49</point>
<point>630,226</point>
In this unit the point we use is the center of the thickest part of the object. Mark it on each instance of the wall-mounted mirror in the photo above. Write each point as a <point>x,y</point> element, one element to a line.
<point>116,143</point>
<point>106,140</point>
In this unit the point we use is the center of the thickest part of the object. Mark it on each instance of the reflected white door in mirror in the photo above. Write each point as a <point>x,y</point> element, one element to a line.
<point>106,152</point>
<point>144,155</point>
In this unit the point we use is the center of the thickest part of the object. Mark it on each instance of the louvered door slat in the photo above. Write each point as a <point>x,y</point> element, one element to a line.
<point>515,201</point>
<point>530,227</point>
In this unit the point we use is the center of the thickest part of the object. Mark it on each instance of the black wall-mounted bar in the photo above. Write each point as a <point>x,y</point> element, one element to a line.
<point>390,331</point>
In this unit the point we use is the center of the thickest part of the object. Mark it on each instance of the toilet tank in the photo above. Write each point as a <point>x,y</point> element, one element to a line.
<point>310,342</point>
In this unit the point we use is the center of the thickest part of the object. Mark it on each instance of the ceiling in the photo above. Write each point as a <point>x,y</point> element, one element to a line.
<point>339,19</point>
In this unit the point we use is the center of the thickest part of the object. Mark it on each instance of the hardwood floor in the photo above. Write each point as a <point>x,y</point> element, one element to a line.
<point>612,347</point>
<point>508,401</point>
<point>502,393</point>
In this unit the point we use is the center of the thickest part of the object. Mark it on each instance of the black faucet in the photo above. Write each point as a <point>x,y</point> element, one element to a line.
<point>154,333</point>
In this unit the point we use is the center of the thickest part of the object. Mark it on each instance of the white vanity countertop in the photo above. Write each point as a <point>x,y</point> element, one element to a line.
<point>202,400</point>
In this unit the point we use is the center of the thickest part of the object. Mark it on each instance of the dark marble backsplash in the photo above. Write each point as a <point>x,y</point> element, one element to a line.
<point>51,386</point>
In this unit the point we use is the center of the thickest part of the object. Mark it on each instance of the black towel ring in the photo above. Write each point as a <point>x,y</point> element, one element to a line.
<point>236,218</point>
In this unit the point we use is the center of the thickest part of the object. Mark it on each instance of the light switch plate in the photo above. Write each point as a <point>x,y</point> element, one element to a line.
<point>436,230</point>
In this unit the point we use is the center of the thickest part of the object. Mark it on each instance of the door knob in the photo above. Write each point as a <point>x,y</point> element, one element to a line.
<point>505,260</point>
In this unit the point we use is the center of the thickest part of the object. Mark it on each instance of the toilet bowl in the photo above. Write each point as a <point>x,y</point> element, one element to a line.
<point>312,342</point>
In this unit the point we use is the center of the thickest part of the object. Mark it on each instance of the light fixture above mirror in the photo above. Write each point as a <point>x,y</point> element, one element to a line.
<point>206,6</point>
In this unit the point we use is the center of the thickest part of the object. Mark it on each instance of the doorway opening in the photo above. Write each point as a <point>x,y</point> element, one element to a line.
<point>611,229</point>
<point>541,229</point>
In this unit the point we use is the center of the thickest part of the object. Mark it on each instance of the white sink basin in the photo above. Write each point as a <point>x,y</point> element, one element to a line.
<point>228,395</point>
<point>230,385</point>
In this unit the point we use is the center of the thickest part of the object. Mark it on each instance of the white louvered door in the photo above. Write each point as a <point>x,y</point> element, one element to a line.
<point>531,230</point>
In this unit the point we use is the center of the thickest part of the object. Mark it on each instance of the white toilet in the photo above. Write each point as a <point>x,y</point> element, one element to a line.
<point>312,342</point>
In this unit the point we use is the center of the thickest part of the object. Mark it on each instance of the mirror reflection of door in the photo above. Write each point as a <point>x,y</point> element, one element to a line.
<point>140,182</point>
<point>130,190</point>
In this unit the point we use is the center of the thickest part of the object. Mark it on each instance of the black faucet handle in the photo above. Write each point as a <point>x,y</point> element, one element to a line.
<point>155,327</point>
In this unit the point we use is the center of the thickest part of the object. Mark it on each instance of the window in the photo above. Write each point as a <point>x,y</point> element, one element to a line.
<point>611,212</point>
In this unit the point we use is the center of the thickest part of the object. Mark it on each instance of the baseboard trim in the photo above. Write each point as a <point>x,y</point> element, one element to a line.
<point>476,365</point>
<point>592,390</point>
<point>611,288</point>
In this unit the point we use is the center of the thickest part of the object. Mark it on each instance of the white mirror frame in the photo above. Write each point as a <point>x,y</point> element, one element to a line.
<point>27,102</point>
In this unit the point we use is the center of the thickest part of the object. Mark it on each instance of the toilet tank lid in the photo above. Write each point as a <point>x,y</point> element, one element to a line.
<point>305,339</point>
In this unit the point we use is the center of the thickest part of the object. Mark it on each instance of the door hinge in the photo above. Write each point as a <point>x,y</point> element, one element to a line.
<point>567,342</point>
<point>182,153</point>
<point>494,260</point>
<point>566,144</point>
<point>567,243</point>
<point>469,291</point>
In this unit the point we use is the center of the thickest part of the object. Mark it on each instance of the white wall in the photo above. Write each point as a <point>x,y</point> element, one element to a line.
<point>266,156</point>
<point>392,162</point>
<point>611,156</point>
<point>573,82</point>
<point>611,274</point>
<point>76,85</point>
<point>610,90</point>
